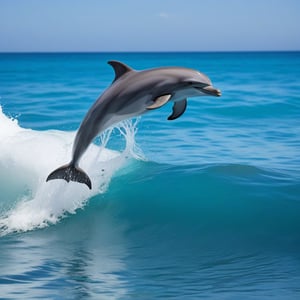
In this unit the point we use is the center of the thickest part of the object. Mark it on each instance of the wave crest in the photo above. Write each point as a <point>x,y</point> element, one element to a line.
<point>28,156</point>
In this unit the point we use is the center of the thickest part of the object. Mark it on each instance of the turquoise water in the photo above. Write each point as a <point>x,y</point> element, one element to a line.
<point>206,206</point>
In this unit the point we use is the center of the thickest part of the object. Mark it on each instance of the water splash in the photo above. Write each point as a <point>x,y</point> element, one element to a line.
<point>27,157</point>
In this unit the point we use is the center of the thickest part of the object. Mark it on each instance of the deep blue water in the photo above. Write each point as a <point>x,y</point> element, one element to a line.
<point>205,206</point>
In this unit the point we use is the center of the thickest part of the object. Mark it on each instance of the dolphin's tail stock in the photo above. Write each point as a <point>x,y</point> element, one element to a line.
<point>70,172</point>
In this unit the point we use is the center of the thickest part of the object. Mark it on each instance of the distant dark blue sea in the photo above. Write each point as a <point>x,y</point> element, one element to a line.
<point>203,207</point>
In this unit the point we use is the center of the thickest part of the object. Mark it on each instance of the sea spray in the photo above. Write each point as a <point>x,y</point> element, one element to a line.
<point>27,156</point>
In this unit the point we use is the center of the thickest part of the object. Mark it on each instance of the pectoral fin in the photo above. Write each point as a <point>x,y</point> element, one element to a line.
<point>160,101</point>
<point>178,109</point>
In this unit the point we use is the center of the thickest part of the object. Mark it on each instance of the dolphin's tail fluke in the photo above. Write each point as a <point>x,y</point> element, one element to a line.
<point>70,173</point>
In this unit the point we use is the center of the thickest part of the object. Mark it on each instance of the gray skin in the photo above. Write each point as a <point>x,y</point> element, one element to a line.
<point>131,94</point>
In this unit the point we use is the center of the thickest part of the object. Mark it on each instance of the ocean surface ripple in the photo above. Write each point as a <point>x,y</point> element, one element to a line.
<point>206,206</point>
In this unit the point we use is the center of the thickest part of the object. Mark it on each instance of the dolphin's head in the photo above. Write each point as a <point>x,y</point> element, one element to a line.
<point>195,83</point>
<point>178,84</point>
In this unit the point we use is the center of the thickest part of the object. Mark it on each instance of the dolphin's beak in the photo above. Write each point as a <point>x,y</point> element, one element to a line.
<point>210,90</point>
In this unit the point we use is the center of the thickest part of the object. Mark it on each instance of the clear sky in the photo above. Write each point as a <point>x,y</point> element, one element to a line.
<point>149,25</point>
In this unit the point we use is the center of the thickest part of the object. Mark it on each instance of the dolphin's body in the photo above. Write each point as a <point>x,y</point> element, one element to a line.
<point>133,93</point>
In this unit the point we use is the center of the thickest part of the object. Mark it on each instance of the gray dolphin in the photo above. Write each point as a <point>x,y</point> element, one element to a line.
<point>132,93</point>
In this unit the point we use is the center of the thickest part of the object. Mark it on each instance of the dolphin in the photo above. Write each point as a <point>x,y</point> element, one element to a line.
<point>133,93</point>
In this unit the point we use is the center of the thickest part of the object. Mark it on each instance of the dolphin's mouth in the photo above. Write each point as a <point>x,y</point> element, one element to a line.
<point>210,90</point>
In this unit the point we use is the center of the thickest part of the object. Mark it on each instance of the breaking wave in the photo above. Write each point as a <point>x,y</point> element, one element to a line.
<point>28,156</point>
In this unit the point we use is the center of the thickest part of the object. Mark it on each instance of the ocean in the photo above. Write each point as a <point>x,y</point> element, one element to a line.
<point>203,207</point>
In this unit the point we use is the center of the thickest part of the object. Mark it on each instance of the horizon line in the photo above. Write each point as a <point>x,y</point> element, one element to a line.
<point>143,51</point>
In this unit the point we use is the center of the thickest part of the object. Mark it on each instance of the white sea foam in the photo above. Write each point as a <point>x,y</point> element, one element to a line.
<point>27,156</point>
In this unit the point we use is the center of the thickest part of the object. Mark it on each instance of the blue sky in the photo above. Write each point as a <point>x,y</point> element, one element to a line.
<point>153,25</point>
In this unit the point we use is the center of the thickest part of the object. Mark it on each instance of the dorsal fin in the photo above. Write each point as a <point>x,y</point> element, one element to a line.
<point>119,68</point>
